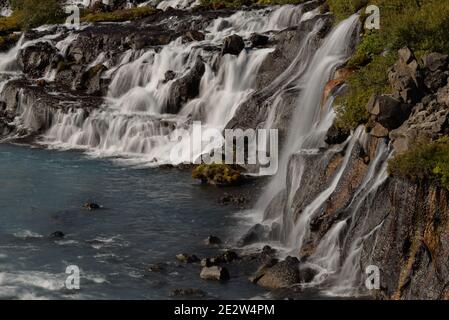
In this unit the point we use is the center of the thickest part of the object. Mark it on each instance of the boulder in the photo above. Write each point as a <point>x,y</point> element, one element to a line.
<point>233,44</point>
<point>91,206</point>
<point>388,111</point>
<point>187,292</point>
<point>283,274</point>
<point>436,80</point>
<point>186,87</point>
<point>257,233</point>
<point>186,258</point>
<point>212,241</point>
<point>262,270</point>
<point>307,274</point>
<point>214,273</point>
<point>258,40</point>
<point>169,75</point>
<point>57,235</point>
<point>336,135</point>
<point>405,77</point>
<point>226,257</point>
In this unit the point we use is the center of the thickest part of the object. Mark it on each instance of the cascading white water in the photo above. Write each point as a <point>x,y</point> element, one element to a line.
<point>134,124</point>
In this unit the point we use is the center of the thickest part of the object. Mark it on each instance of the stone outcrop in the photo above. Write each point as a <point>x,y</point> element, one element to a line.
<point>233,45</point>
<point>186,87</point>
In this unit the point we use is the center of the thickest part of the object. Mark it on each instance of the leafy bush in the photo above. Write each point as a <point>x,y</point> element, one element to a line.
<point>119,15</point>
<point>424,162</point>
<point>218,174</point>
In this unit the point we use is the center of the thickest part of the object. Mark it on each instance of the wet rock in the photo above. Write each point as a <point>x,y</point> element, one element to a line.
<point>262,270</point>
<point>91,79</point>
<point>336,135</point>
<point>257,233</point>
<point>226,257</point>
<point>91,206</point>
<point>212,241</point>
<point>233,44</point>
<point>206,262</point>
<point>57,235</point>
<point>283,274</point>
<point>186,258</point>
<point>230,198</point>
<point>187,292</point>
<point>215,273</point>
<point>158,267</point>
<point>307,274</point>
<point>193,35</point>
<point>35,58</point>
<point>169,75</point>
<point>185,88</point>
<point>258,40</point>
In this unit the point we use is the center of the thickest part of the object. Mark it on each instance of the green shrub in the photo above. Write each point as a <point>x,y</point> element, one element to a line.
<point>424,162</point>
<point>218,174</point>
<point>373,78</point>
<point>344,8</point>
<point>119,15</point>
<point>34,13</point>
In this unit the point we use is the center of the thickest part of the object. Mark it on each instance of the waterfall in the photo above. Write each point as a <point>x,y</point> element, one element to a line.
<point>135,123</point>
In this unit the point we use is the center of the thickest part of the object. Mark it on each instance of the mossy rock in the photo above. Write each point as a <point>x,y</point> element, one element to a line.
<point>219,174</point>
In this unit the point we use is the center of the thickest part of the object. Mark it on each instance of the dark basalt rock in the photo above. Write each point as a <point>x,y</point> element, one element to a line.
<point>233,44</point>
<point>283,274</point>
<point>388,111</point>
<point>212,241</point>
<point>34,59</point>
<point>186,258</point>
<point>185,88</point>
<point>57,235</point>
<point>258,40</point>
<point>336,135</point>
<point>257,233</point>
<point>91,206</point>
<point>187,292</point>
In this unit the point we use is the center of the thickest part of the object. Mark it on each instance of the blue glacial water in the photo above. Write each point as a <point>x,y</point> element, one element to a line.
<point>149,216</point>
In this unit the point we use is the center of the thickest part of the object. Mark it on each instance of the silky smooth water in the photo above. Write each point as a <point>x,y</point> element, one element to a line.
<point>149,216</point>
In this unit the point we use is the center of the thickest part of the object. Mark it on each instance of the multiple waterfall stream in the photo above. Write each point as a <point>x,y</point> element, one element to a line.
<point>134,125</point>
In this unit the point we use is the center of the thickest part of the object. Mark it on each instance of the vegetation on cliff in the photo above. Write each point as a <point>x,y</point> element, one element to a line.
<point>420,25</point>
<point>118,15</point>
<point>424,162</point>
